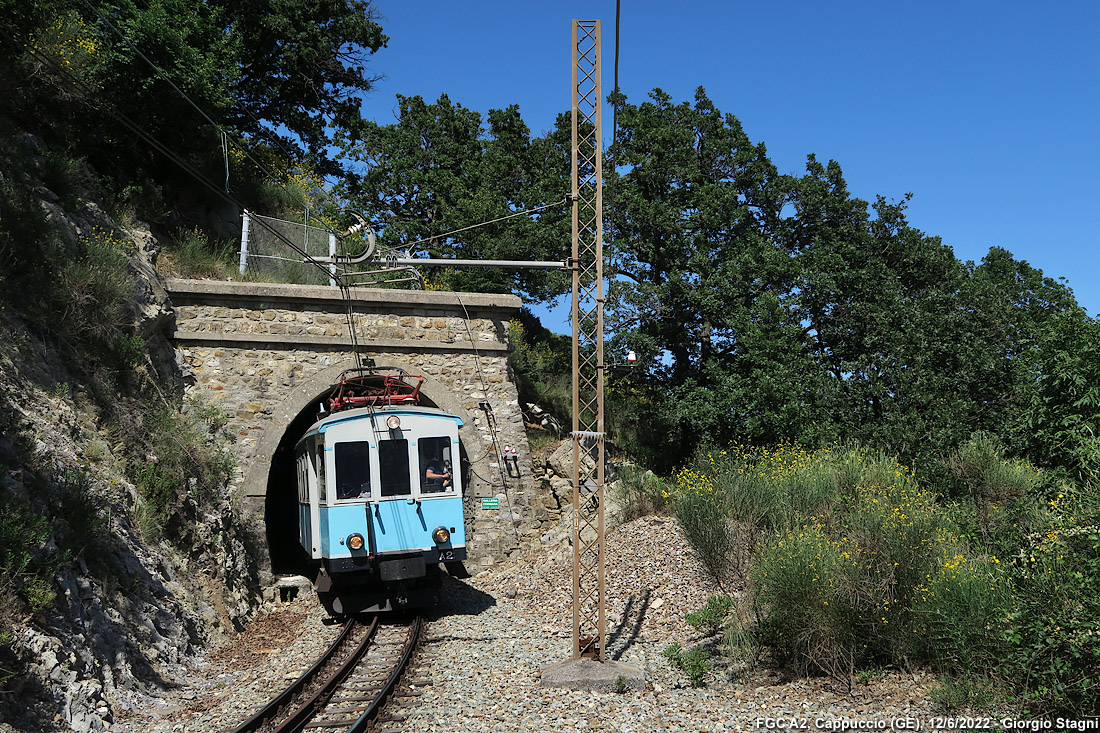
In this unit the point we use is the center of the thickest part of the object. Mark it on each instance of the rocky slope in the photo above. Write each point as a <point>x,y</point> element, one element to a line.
<point>130,610</point>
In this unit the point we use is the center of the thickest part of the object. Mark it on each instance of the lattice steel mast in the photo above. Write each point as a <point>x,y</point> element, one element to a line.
<point>589,618</point>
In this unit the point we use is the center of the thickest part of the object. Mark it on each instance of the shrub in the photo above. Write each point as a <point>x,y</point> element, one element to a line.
<point>81,518</point>
<point>195,255</point>
<point>770,488</point>
<point>94,288</point>
<point>179,457</point>
<point>704,517</point>
<point>27,564</point>
<point>861,564</point>
<point>639,492</point>
<point>958,613</point>
<point>809,612</point>
<point>1001,491</point>
<point>1053,632</point>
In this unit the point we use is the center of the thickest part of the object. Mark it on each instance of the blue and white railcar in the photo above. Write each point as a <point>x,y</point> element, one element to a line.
<point>380,504</point>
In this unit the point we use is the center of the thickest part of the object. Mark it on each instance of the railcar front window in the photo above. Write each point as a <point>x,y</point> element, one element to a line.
<point>352,470</point>
<point>436,474</point>
<point>393,465</point>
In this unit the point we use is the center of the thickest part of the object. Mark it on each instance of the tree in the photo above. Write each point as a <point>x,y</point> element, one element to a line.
<point>289,73</point>
<point>433,178</point>
<point>700,284</point>
<point>1048,357</point>
<point>300,69</point>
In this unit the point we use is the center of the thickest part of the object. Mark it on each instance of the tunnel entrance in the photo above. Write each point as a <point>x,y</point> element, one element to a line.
<point>281,505</point>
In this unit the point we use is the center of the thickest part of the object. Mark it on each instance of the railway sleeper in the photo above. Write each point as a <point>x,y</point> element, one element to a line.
<point>355,698</point>
<point>349,711</point>
<point>330,723</point>
<point>371,676</point>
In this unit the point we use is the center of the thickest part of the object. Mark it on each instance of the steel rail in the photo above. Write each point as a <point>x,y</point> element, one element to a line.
<point>371,712</point>
<point>308,709</point>
<point>284,698</point>
<point>355,669</point>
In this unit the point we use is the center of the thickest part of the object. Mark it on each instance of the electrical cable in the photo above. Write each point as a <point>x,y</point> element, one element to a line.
<point>490,418</point>
<point>482,224</point>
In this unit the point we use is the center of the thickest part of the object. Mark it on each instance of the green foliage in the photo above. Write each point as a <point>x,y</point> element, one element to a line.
<point>195,255</point>
<point>287,74</point>
<point>620,685</point>
<point>27,564</point>
<point>964,693</point>
<point>703,515</point>
<point>860,567</point>
<point>1003,494</point>
<point>81,517</point>
<point>769,488</point>
<point>29,244</point>
<point>1061,395</point>
<point>541,362</point>
<point>710,618</point>
<point>91,297</point>
<point>1053,633</point>
<point>129,351</point>
<point>639,492</point>
<point>178,461</point>
<point>770,307</point>
<point>695,664</point>
<point>438,170</point>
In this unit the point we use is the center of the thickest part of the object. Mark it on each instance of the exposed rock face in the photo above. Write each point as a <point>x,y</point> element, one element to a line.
<point>130,613</point>
<point>555,470</point>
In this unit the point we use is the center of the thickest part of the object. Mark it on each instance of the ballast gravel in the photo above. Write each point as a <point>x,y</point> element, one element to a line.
<point>483,646</point>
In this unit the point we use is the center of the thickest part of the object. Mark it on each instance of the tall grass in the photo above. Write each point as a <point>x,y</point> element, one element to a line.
<point>193,254</point>
<point>179,463</point>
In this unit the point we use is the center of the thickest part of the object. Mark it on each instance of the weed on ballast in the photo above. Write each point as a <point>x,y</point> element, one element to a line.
<point>710,618</point>
<point>695,664</point>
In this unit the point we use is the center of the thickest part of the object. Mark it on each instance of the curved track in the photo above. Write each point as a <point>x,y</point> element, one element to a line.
<point>346,688</point>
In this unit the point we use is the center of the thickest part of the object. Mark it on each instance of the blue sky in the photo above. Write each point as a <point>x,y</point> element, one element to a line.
<point>988,112</point>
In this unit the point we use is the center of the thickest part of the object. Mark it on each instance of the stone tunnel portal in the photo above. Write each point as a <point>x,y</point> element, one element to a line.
<point>266,353</point>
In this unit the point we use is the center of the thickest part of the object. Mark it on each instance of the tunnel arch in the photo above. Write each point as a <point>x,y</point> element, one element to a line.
<point>272,474</point>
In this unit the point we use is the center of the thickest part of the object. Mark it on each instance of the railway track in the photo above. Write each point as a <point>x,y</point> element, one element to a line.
<point>344,691</point>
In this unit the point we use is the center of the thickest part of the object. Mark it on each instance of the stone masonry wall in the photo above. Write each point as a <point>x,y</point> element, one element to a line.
<point>263,353</point>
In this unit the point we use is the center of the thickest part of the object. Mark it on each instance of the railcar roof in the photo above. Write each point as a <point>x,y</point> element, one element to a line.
<point>360,413</point>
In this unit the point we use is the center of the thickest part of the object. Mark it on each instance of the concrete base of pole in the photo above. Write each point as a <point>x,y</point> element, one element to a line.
<point>587,674</point>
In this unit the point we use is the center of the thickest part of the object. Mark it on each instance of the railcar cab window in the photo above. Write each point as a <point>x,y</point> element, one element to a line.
<point>393,468</point>
<point>352,470</point>
<point>435,465</point>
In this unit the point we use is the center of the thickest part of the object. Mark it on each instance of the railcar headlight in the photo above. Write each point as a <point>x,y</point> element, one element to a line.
<point>355,541</point>
<point>441,535</point>
<point>393,422</point>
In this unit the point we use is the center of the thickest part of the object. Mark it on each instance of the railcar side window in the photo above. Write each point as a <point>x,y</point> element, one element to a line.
<point>303,473</point>
<point>352,470</point>
<point>436,474</point>
<point>393,464</point>
<point>322,485</point>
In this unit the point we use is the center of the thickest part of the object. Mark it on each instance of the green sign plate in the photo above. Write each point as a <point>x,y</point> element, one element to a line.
<point>493,503</point>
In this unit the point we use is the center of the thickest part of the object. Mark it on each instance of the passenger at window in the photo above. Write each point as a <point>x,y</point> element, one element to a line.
<point>435,474</point>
